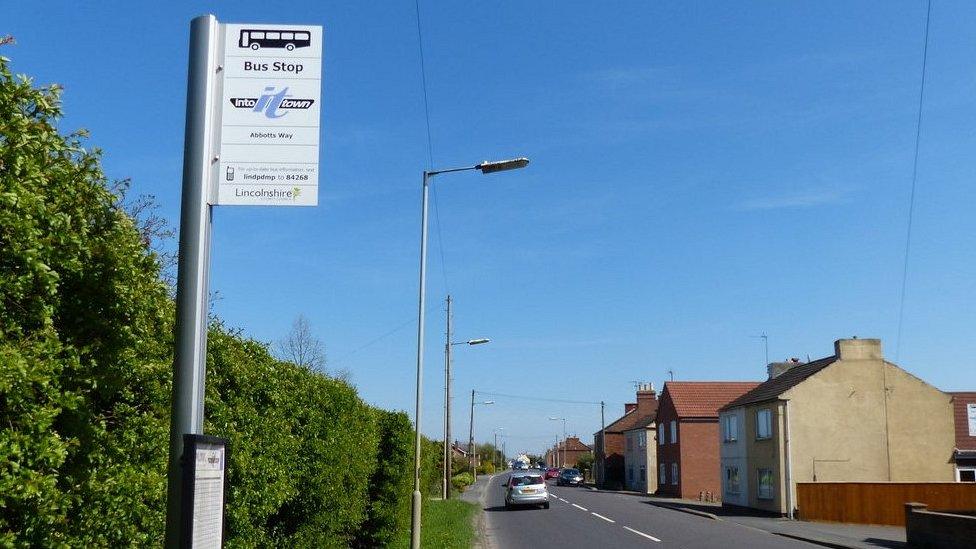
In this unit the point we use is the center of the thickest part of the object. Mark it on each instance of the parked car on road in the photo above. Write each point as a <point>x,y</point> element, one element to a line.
<point>526,488</point>
<point>569,477</point>
<point>552,472</point>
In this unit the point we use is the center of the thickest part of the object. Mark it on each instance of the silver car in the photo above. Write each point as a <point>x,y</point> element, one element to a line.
<point>526,488</point>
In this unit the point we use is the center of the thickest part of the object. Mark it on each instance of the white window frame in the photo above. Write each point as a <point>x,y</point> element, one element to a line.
<point>959,471</point>
<point>762,423</point>
<point>674,432</point>
<point>662,473</point>
<point>662,433</point>
<point>770,489</point>
<point>971,418</point>
<point>674,473</point>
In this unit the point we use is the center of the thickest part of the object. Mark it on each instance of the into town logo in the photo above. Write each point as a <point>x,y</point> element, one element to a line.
<point>271,102</point>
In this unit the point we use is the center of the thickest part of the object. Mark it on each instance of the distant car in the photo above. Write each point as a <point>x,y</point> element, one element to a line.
<point>552,472</point>
<point>526,488</point>
<point>569,477</point>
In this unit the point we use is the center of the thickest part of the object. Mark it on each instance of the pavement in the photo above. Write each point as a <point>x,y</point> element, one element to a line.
<point>586,517</point>
<point>827,534</point>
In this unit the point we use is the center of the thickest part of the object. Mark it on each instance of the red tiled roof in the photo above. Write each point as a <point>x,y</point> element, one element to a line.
<point>704,398</point>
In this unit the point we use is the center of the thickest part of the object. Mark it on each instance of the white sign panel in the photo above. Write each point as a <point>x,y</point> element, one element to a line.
<point>270,110</point>
<point>208,496</point>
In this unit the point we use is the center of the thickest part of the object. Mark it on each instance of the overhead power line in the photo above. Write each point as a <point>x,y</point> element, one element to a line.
<point>525,397</point>
<point>430,147</point>
<point>911,198</point>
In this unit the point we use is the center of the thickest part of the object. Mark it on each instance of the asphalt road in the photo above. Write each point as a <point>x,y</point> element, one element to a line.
<point>580,517</point>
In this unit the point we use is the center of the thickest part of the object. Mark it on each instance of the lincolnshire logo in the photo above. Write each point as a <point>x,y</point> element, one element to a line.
<point>271,102</point>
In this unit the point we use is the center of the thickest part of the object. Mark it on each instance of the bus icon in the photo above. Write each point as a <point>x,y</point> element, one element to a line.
<point>267,38</point>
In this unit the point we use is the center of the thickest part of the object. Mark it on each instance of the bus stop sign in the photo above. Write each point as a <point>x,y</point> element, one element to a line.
<point>269,111</point>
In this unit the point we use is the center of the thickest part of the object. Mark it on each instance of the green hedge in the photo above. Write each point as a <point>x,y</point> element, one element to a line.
<point>86,345</point>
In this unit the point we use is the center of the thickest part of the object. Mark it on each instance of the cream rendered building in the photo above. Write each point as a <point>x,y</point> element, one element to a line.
<point>849,417</point>
<point>640,458</point>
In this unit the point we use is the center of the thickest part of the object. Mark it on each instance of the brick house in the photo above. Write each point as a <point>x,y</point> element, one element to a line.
<point>575,449</point>
<point>608,465</point>
<point>964,455</point>
<point>687,441</point>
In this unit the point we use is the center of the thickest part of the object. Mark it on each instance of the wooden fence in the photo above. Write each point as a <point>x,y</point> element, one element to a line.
<point>878,502</point>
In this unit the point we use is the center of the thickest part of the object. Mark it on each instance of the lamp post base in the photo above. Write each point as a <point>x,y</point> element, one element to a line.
<point>415,521</point>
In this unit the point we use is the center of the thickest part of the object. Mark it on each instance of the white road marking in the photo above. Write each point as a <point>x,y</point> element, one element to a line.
<point>562,500</point>
<point>578,507</point>
<point>641,533</point>
<point>598,515</point>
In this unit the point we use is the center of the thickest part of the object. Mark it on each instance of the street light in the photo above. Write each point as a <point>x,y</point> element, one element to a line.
<point>473,455</point>
<point>495,449</point>
<point>485,168</point>
<point>564,437</point>
<point>448,458</point>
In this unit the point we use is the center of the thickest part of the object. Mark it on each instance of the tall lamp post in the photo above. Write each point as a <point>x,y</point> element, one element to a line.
<point>446,481</point>
<point>494,458</point>
<point>564,437</point>
<point>485,168</point>
<point>473,454</point>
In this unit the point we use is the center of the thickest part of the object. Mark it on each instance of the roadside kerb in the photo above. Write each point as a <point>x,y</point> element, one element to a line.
<point>685,510</point>
<point>791,535</point>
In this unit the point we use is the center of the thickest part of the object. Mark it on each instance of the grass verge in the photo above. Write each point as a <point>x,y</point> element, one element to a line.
<point>445,525</point>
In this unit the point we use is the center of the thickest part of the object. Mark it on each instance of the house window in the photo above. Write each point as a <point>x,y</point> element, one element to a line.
<point>630,442</point>
<point>966,475</point>
<point>674,473</point>
<point>642,439</point>
<point>732,480</point>
<point>765,486</point>
<point>643,472</point>
<point>661,476</point>
<point>730,428</point>
<point>674,431</point>
<point>971,416</point>
<point>662,433</point>
<point>764,424</point>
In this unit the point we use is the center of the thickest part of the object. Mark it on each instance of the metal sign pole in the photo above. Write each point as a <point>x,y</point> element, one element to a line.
<point>190,360</point>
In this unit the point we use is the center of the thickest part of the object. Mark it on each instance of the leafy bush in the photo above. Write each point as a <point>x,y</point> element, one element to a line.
<point>486,468</point>
<point>461,481</point>
<point>391,485</point>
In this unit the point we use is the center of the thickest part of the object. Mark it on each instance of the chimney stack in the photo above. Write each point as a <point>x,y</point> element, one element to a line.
<point>645,392</point>
<point>858,349</point>
<point>776,369</point>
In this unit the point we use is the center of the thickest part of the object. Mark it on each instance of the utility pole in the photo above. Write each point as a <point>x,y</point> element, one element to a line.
<point>603,442</point>
<point>446,480</point>
<point>494,455</point>
<point>472,456</point>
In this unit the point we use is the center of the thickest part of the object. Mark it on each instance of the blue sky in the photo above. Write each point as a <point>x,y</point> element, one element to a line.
<point>700,174</point>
